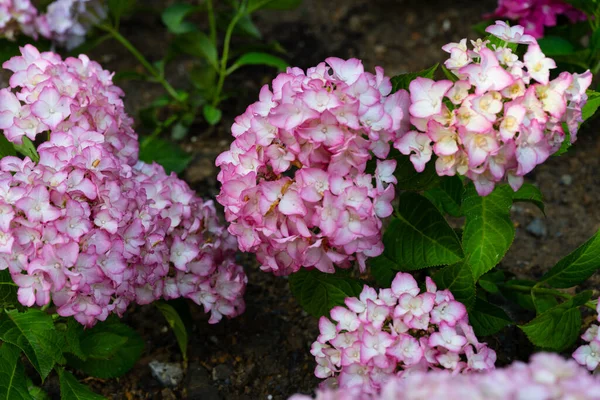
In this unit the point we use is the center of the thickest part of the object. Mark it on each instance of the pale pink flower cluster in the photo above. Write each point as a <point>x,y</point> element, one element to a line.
<point>65,22</point>
<point>501,118</point>
<point>536,15</point>
<point>546,377</point>
<point>397,332</point>
<point>588,355</point>
<point>88,227</point>
<point>295,186</point>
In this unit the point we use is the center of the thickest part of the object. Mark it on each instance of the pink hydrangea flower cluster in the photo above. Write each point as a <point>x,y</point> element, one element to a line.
<point>88,227</point>
<point>65,22</point>
<point>397,332</point>
<point>501,118</point>
<point>588,355</point>
<point>536,15</point>
<point>295,186</point>
<point>547,376</point>
<point>18,16</point>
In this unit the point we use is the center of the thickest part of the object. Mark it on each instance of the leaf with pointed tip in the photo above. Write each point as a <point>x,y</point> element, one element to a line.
<point>487,319</point>
<point>13,382</point>
<point>457,278</point>
<point>72,389</point>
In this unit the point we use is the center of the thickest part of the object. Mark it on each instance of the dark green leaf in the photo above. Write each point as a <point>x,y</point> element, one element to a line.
<point>33,332</point>
<point>408,178</point>
<point>111,350</point>
<point>6,147</point>
<point>254,5</point>
<point>118,8</point>
<point>71,331</point>
<point>71,389</point>
<point>255,58</point>
<point>566,144</point>
<point>176,323</point>
<point>543,302</point>
<point>13,383</point>
<point>577,266</point>
<point>27,149</point>
<point>489,282</point>
<point>318,292</point>
<point>524,300</point>
<point>531,194</point>
<point>447,197</point>
<point>590,108</point>
<point>382,272</point>
<point>246,26</point>
<point>488,231</point>
<point>212,114</point>
<point>403,81</point>
<point>199,45</point>
<point>418,237</point>
<point>174,15</point>
<point>165,153</point>
<point>487,318</point>
<point>458,278</point>
<point>449,74</point>
<point>555,46</point>
<point>558,328</point>
<point>36,392</point>
<point>8,291</point>
<point>587,6</point>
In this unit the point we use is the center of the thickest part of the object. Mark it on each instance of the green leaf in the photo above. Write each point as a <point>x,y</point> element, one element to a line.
<point>447,197</point>
<point>543,302</point>
<point>530,194</point>
<point>176,323</point>
<point>6,147</point>
<point>174,15</point>
<point>111,350</point>
<point>318,292</point>
<point>577,266</point>
<point>408,178</point>
<point>33,332</point>
<point>487,319</point>
<point>418,237</point>
<point>165,153</point>
<point>457,278</point>
<point>8,291</point>
<point>488,231</point>
<point>587,6</point>
<point>255,58</point>
<point>523,300</point>
<point>27,149</point>
<point>489,282</point>
<point>118,8</point>
<point>449,74</point>
<point>36,392</point>
<point>246,26</point>
<point>403,81</point>
<point>591,106</point>
<point>199,45</point>
<point>212,114</point>
<point>71,389</point>
<point>382,273</point>
<point>71,331</point>
<point>13,382</point>
<point>254,5</point>
<point>558,328</point>
<point>555,46</point>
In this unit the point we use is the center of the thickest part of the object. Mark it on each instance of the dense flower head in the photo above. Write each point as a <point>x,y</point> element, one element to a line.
<point>546,377</point>
<point>397,332</point>
<point>502,116</point>
<point>588,354</point>
<point>536,15</point>
<point>87,226</point>
<point>295,184</point>
<point>65,22</point>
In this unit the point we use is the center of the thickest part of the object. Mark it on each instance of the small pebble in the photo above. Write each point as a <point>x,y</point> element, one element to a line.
<point>566,180</point>
<point>537,228</point>
<point>168,374</point>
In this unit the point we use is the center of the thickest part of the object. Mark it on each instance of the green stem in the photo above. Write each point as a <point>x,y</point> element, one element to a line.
<point>133,50</point>
<point>211,22</point>
<point>225,55</point>
<point>552,292</point>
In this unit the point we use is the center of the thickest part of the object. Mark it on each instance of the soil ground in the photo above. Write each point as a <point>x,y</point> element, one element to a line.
<point>264,353</point>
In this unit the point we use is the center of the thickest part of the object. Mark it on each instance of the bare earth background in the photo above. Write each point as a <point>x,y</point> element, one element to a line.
<point>264,354</point>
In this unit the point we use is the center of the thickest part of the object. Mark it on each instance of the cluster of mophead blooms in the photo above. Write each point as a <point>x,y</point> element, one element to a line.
<point>65,22</point>
<point>546,377</point>
<point>536,15</point>
<point>500,118</point>
<point>88,226</point>
<point>588,355</point>
<point>296,189</point>
<point>397,332</point>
